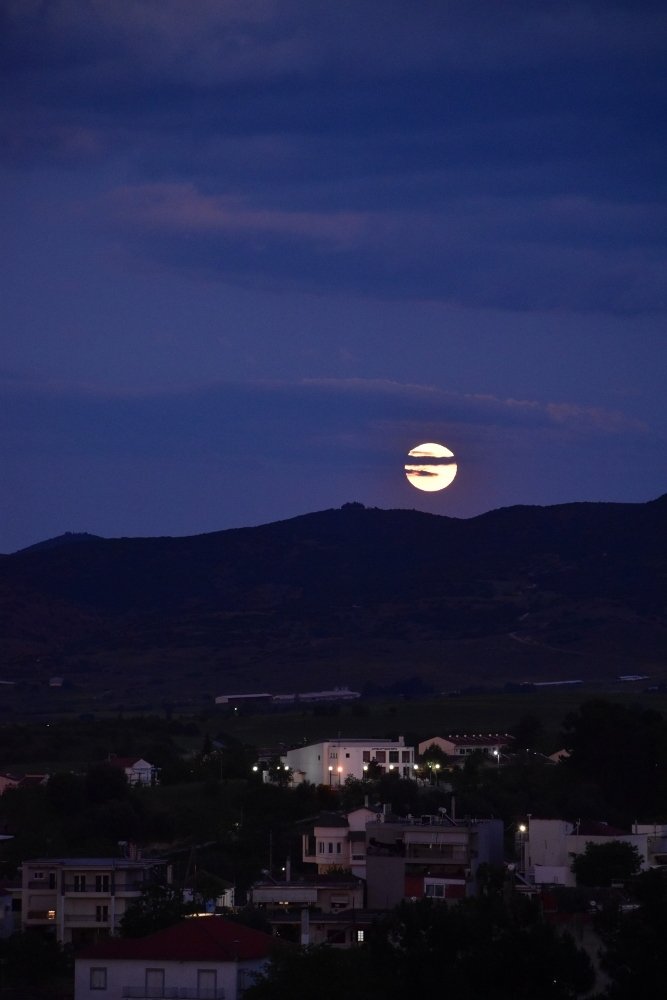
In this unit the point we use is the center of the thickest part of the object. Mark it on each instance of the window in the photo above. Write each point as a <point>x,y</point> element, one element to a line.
<point>102,914</point>
<point>98,979</point>
<point>79,883</point>
<point>393,756</point>
<point>207,982</point>
<point>102,883</point>
<point>320,847</point>
<point>347,755</point>
<point>360,937</point>
<point>330,847</point>
<point>436,891</point>
<point>381,756</point>
<point>405,756</point>
<point>154,982</point>
<point>338,847</point>
<point>366,756</point>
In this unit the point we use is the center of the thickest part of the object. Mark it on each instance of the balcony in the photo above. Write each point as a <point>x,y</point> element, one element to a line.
<point>171,993</point>
<point>79,919</point>
<point>117,889</point>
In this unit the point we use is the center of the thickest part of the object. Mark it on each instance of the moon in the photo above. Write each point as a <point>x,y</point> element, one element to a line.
<point>432,468</point>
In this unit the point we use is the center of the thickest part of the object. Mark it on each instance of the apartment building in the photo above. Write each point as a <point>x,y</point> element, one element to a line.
<point>82,899</point>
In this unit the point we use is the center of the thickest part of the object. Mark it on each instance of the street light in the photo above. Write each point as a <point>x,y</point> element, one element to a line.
<point>496,754</point>
<point>330,773</point>
<point>340,771</point>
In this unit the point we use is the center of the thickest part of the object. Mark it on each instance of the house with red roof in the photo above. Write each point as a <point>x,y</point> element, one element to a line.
<point>199,957</point>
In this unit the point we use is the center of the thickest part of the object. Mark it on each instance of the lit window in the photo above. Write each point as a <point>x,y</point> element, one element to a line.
<point>98,979</point>
<point>51,914</point>
<point>360,937</point>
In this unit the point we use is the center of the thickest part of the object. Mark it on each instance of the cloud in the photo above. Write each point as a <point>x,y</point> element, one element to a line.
<point>276,417</point>
<point>516,253</point>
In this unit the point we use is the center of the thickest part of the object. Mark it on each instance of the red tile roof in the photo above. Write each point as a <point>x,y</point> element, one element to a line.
<point>208,939</point>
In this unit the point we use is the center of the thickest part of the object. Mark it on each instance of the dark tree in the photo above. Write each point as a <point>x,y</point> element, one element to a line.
<point>159,906</point>
<point>105,782</point>
<point>634,956</point>
<point>602,864</point>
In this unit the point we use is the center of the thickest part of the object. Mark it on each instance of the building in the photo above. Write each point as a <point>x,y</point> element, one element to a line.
<point>200,957</point>
<point>404,858</point>
<point>339,841</point>
<point>317,909</point>
<point>80,900</point>
<point>428,856</point>
<point>547,847</point>
<point>333,761</point>
<point>137,770</point>
<point>493,744</point>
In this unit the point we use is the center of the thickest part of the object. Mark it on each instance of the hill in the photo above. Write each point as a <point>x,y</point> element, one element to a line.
<point>352,596</point>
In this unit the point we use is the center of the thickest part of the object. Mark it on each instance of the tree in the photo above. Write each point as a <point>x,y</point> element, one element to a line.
<point>479,949</point>
<point>105,782</point>
<point>159,906</point>
<point>634,956</point>
<point>602,864</point>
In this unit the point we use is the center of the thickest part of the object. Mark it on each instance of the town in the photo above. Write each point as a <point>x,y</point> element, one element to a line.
<point>190,863</point>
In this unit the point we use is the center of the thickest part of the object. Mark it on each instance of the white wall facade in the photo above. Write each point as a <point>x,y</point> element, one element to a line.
<point>188,979</point>
<point>552,845</point>
<point>333,761</point>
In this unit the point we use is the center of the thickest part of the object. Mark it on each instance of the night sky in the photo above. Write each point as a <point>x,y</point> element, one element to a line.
<point>256,250</point>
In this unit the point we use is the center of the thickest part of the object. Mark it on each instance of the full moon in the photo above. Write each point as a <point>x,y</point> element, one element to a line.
<point>432,467</point>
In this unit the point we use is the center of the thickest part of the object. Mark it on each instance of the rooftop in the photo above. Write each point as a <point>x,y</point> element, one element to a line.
<point>208,939</point>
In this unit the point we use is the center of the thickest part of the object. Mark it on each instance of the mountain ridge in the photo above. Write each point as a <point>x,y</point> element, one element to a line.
<point>350,595</point>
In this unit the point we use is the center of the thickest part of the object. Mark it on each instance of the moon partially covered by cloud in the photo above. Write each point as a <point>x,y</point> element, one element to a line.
<point>434,467</point>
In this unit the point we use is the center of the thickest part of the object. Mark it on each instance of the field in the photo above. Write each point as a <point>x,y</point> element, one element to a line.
<point>420,719</point>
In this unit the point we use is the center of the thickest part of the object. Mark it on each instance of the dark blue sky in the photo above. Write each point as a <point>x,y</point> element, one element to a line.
<point>255,251</point>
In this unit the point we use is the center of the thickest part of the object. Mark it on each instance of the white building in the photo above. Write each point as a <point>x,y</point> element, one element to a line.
<point>548,847</point>
<point>137,770</point>
<point>333,761</point>
<point>200,957</point>
<point>337,841</point>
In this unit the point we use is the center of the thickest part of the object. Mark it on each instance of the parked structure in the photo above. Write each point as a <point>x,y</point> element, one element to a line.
<point>333,761</point>
<point>80,900</point>
<point>201,957</point>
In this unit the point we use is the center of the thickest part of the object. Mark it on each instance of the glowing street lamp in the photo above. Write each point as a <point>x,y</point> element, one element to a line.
<point>330,773</point>
<point>340,771</point>
<point>496,754</point>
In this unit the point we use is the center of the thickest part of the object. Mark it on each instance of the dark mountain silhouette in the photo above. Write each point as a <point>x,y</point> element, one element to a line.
<point>347,596</point>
